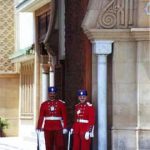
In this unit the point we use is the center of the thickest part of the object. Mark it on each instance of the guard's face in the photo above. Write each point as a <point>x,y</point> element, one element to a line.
<point>52,95</point>
<point>82,99</point>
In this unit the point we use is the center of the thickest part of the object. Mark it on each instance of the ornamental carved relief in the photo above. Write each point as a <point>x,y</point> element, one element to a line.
<point>6,35</point>
<point>117,14</point>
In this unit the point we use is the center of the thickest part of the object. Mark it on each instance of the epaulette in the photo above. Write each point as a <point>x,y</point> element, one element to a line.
<point>89,104</point>
<point>45,102</point>
<point>61,101</point>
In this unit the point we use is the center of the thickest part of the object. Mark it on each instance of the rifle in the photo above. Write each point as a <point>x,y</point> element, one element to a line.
<point>37,133</point>
<point>69,135</point>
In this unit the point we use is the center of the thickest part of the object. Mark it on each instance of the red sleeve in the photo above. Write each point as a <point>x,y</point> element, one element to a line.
<point>64,115</point>
<point>91,116</point>
<point>41,117</point>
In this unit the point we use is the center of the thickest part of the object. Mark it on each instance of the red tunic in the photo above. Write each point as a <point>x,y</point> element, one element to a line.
<point>52,109</point>
<point>84,112</point>
<point>84,121</point>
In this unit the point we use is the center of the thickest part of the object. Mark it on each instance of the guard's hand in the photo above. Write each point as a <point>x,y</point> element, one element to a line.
<point>71,131</point>
<point>65,131</point>
<point>39,130</point>
<point>87,135</point>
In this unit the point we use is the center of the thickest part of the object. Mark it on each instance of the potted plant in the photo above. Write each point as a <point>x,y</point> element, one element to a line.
<point>3,125</point>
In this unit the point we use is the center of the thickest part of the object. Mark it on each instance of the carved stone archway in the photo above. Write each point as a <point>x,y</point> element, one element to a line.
<point>48,42</point>
<point>51,44</point>
<point>119,22</point>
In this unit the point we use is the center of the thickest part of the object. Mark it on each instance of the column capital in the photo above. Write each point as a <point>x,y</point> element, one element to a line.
<point>102,47</point>
<point>45,68</point>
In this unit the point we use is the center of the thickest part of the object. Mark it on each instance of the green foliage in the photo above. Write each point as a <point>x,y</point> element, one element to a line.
<point>3,123</point>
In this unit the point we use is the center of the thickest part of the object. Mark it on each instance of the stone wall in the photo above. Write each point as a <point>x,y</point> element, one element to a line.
<point>131,88</point>
<point>124,96</point>
<point>9,81</point>
<point>9,104</point>
<point>127,24</point>
<point>143,87</point>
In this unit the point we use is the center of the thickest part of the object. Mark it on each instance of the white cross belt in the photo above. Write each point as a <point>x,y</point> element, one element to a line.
<point>82,121</point>
<point>53,118</point>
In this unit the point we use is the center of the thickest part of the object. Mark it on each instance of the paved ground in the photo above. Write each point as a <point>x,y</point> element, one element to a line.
<point>16,143</point>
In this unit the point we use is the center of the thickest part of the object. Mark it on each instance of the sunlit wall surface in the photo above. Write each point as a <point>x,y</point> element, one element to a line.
<point>25,36</point>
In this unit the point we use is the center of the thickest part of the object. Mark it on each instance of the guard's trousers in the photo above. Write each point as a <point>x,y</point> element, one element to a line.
<point>80,143</point>
<point>54,140</point>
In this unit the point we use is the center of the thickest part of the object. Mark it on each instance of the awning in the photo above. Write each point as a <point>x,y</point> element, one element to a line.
<point>23,55</point>
<point>30,5</point>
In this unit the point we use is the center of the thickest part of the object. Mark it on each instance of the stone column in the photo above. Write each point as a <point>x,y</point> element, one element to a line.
<point>51,76</point>
<point>61,23</point>
<point>102,49</point>
<point>45,81</point>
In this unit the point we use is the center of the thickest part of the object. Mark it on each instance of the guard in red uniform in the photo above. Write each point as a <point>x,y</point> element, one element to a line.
<point>84,123</point>
<point>53,120</point>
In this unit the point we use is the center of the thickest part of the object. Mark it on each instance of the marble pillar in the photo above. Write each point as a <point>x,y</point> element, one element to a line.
<point>102,49</point>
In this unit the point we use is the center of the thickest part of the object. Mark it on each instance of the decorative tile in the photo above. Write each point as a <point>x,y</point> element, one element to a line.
<point>7,40</point>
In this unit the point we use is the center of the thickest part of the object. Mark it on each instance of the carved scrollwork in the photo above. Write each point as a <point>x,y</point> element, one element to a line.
<point>116,14</point>
<point>108,20</point>
<point>108,17</point>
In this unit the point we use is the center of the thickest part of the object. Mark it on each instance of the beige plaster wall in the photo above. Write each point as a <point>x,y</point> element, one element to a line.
<point>143,84</point>
<point>124,85</point>
<point>124,140</point>
<point>131,96</point>
<point>9,102</point>
<point>124,96</point>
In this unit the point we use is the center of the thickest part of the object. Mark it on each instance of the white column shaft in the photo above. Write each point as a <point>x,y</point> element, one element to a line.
<point>44,86</point>
<point>102,102</point>
<point>51,78</point>
<point>102,49</point>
